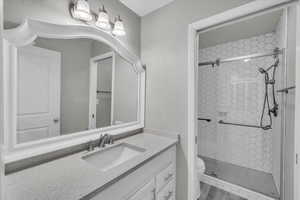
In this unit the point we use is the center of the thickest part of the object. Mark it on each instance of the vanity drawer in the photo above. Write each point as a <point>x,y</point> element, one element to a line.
<point>147,192</point>
<point>165,176</point>
<point>168,192</point>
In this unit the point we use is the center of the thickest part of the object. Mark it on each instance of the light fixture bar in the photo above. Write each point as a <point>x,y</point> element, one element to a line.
<point>80,10</point>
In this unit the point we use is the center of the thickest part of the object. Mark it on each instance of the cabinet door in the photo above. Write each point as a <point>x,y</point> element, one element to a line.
<point>147,192</point>
<point>168,192</point>
<point>165,176</point>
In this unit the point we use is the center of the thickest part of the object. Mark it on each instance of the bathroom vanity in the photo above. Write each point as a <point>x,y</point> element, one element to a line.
<point>138,167</point>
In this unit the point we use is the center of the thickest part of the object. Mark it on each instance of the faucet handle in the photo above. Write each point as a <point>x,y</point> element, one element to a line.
<point>105,139</point>
<point>91,145</point>
<point>100,140</point>
<point>111,139</point>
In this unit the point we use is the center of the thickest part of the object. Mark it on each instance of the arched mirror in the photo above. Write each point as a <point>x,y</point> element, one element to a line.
<point>68,84</point>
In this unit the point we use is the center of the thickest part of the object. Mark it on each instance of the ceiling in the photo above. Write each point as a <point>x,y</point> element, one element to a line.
<point>144,7</point>
<point>241,30</point>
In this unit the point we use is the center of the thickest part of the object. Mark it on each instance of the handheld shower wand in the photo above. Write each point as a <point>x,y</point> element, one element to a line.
<point>268,81</point>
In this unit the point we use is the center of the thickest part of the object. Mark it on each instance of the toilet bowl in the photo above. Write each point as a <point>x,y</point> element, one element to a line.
<point>200,169</point>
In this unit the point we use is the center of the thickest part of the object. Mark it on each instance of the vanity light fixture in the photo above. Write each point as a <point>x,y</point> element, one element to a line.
<point>81,11</point>
<point>103,20</point>
<point>119,29</point>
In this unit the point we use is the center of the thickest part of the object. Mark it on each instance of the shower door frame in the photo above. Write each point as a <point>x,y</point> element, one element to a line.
<point>234,15</point>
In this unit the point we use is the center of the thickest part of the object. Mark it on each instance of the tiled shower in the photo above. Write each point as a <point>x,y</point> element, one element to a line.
<point>234,92</point>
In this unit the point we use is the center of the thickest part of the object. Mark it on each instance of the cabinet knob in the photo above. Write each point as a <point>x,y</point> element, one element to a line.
<point>56,120</point>
<point>169,195</point>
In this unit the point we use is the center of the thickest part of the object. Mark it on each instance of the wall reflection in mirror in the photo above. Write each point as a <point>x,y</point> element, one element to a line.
<point>70,85</point>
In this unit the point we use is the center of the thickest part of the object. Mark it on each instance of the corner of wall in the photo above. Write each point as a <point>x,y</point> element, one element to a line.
<point>1,104</point>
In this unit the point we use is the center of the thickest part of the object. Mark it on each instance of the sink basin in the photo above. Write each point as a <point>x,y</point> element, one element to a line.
<point>114,156</point>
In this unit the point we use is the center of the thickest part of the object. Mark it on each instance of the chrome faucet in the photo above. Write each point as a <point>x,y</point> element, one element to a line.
<point>105,139</point>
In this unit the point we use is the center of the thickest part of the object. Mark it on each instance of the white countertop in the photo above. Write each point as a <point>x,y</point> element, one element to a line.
<point>71,178</point>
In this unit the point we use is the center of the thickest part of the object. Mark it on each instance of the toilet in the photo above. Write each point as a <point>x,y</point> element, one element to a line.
<point>200,169</point>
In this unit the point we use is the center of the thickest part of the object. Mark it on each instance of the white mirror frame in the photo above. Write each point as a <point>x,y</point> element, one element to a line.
<point>25,34</point>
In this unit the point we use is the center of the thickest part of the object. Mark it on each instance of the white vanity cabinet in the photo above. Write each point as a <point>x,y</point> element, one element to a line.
<point>162,187</point>
<point>165,176</point>
<point>153,180</point>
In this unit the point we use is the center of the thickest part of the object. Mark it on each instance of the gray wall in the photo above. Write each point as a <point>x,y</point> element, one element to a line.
<point>164,51</point>
<point>125,91</point>
<point>16,11</point>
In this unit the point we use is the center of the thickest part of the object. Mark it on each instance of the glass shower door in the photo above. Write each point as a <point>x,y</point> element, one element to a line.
<point>230,96</point>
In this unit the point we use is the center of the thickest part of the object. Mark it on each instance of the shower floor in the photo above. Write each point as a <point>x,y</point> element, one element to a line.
<point>255,180</point>
<point>209,192</point>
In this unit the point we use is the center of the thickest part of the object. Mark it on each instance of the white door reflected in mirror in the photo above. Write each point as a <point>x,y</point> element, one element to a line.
<point>38,93</point>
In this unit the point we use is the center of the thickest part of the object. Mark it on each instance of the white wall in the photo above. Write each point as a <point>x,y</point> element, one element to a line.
<point>164,51</point>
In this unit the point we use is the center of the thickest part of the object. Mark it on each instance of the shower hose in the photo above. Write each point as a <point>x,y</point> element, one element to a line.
<point>266,104</point>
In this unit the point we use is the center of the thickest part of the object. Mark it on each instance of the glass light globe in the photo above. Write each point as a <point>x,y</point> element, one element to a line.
<point>103,20</point>
<point>81,11</point>
<point>119,29</point>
